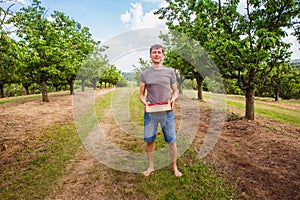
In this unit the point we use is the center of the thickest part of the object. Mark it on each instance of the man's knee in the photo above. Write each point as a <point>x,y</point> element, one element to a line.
<point>151,146</point>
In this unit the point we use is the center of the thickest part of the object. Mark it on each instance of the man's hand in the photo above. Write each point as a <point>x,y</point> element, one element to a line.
<point>143,101</point>
<point>174,97</point>
<point>172,102</point>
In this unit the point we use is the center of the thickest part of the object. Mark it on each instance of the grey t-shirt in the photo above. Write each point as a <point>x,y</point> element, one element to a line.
<point>158,83</point>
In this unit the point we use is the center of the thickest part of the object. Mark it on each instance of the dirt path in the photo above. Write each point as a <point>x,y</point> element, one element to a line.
<point>25,120</point>
<point>263,155</point>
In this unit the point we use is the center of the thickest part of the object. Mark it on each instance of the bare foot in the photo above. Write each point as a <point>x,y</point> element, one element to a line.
<point>148,171</point>
<point>177,173</point>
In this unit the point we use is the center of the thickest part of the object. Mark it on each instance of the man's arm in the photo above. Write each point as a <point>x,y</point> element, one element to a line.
<point>174,95</point>
<point>142,93</point>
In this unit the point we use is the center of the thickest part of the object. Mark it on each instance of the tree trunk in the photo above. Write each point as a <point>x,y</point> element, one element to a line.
<point>82,85</point>
<point>2,90</point>
<point>26,87</point>
<point>199,83</point>
<point>180,83</point>
<point>180,87</point>
<point>276,95</point>
<point>180,80</point>
<point>94,84</point>
<point>249,94</point>
<point>27,90</point>
<point>45,97</point>
<point>71,84</point>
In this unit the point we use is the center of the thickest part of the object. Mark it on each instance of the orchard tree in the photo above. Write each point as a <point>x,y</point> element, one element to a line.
<point>110,76</point>
<point>185,69</point>
<point>53,48</point>
<point>290,88</point>
<point>93,67</point>
<point>8,50</point>
<point>37,39</point>
<point>75,43</point>
<point>277,81</point>
<point>192,61</point>
<point>243,45</point>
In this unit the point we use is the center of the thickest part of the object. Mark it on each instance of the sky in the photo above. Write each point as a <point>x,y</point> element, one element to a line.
<point>107,19</point>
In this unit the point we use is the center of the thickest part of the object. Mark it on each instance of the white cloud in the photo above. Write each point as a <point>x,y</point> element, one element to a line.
<point>161,3</point>
<point>153,1</point>
<point>125,62</point>
<point>295,46</point>
<point>126,18</point>
<point>135,18</point>
<point>24,2</point>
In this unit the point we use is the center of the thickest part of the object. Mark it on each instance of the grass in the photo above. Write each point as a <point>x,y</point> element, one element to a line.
<point>199,181</point>
<point>44,160</point>
<point>17,99</point>
<point>136,108</point>
<point>261,107</point>
<point>86,121</point>
<point>26,97</point>
<point>278,113</point>
<point>40,164</point>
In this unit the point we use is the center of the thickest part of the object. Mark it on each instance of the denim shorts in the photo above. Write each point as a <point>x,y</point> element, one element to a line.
<point>167,123</point>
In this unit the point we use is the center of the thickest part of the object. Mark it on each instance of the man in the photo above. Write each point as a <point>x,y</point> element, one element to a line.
<point>159,81</point>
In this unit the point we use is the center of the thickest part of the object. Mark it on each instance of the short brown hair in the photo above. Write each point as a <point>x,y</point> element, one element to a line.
<point>157,46</point>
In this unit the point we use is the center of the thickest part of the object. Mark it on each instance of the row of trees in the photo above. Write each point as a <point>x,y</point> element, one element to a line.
<point>97,69</point>
<point>247,48</point>
<point>46,50</point>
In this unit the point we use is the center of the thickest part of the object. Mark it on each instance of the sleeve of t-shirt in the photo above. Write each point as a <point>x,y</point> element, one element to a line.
<point>142,78</point>
<point>173,77</point>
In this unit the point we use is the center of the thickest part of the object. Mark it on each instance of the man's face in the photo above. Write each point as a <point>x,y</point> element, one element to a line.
<point>156,55</point>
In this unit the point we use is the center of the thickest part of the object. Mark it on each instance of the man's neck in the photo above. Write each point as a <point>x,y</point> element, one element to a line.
<point>157,66</point>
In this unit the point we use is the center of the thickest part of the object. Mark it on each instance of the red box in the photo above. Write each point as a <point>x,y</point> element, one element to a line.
<point>158,107</point>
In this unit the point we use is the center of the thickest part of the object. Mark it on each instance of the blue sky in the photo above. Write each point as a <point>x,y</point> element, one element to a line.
<point>108,18</point>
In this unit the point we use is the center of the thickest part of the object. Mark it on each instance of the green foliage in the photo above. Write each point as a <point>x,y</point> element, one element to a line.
<point>110,76</point>
<point>14,90</point>
<point>129,76</point>
<point>189,84</point>
<point>283,82</point>
<point>49,50</point>
<point>245,47</point>
<point>9,52</point>
<point>232,87</point>
<point>122,82</point>
<point>93,68</point>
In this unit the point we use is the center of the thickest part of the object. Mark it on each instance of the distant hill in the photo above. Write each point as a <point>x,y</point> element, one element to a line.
<point>295,61</point>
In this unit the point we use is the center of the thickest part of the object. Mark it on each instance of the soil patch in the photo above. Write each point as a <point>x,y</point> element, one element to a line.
<point>263,156</point>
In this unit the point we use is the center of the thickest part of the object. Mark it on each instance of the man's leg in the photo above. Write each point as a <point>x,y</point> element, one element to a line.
<point>150,153</point>
<point>173,154</point>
